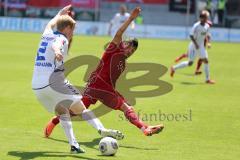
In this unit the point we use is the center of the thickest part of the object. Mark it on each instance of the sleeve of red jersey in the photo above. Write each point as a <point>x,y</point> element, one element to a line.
<point>111,46</point>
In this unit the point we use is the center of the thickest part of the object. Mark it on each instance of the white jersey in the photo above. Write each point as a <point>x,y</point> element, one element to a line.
<point>45,62</point>
<point>118,20</point>
<point>199,32</point>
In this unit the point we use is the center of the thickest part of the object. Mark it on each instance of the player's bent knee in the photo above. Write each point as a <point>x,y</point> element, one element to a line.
<point>59,109</point>
<point>190,63</point>
<point>77,108</point>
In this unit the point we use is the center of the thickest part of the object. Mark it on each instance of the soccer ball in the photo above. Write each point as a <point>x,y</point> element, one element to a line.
<point>108,146</point>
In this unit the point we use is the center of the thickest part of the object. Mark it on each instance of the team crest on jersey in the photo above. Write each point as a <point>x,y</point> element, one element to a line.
<point>47,38</point>
<point>120,66</point>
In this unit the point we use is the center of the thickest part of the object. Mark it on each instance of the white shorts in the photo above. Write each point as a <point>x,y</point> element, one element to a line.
<point>63,93</point>
<point>193,52</point>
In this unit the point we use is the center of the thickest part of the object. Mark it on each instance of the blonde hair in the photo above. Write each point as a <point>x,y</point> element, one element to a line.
<point>205,12</point>
<point>65,21</point>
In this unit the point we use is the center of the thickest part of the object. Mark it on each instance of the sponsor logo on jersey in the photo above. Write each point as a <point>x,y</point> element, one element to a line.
<point>43,64</point>
<point>203,33</point>
<point>48,38</point>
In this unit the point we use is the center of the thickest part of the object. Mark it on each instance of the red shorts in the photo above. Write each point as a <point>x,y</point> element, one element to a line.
<point>98,89</point>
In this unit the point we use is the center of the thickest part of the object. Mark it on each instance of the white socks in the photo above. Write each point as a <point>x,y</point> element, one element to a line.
<point>185,64</point>
<point>206,70</point>
<point>181,65</point>
<point>66,123</point>
<point>89,116</point>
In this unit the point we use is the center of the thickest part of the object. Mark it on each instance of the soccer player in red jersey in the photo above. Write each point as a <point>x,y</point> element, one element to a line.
<point>102,81</point>
<point>199,63</point>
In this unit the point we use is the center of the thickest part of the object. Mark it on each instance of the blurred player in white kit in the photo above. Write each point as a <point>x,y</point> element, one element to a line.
<point>198,34</point>
<point>118,20</point>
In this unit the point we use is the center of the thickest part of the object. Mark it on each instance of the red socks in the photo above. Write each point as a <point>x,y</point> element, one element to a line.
<point>129,114</point>
<point>184,55</point>
<point>134,119</point>
<point>55,120</point>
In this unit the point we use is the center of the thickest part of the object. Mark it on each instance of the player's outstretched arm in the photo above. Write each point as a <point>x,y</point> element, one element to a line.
<point>118,37</point>
<point>52,23</point>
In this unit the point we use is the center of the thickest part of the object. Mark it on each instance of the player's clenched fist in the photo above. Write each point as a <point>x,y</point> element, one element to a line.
<point>135,12</point>
<point>65,10</point>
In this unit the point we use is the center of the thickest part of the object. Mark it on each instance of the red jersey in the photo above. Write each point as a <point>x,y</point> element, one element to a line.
<point>111,65</point>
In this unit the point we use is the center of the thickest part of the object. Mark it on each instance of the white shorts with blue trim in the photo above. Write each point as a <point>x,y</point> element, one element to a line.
<point>63,94</point>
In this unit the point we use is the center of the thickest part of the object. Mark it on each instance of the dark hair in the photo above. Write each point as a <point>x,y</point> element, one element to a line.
<point>134,42</point>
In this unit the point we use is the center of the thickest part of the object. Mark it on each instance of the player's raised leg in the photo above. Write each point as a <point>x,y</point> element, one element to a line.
<point>134,119</point>
<point>179,66</point>
<point>191,56</point>
<point>184,63</point>
<point>114,100</point>
<point>184,55</point>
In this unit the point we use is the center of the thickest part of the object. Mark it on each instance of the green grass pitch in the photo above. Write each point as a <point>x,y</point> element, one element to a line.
<point>212,133</point>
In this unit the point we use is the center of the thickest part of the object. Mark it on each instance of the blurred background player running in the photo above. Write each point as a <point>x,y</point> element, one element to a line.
<point>206,44</point>
<point>118,20</point>
<point>198,35</point>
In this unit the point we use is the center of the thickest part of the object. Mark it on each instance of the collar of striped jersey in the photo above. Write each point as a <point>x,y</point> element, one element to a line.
<point>57,32</point>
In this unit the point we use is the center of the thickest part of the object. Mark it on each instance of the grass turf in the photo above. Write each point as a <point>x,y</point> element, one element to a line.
<point>212,132</point>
